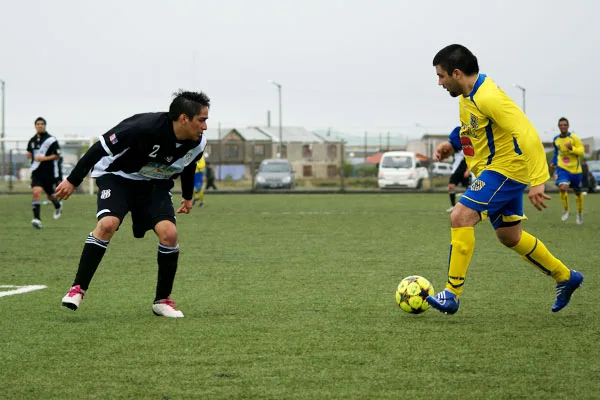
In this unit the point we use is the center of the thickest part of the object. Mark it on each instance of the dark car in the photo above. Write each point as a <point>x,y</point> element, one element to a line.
<point>594,167</point>
<point>275,173</point>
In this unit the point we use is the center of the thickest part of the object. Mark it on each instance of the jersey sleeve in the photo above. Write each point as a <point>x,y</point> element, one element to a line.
<point>54,149</point>
<point>120,138</point>
<point>504,112</point>
<point>578,148</point>
<point>454,139</point>
<point>555,157</point>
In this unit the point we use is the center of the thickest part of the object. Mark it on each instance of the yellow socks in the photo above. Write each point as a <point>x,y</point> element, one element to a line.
<point>579,197</point>
<point>535,253</point>
<point>201,195</point>
<point>461,250</point>
<point>564,198</point>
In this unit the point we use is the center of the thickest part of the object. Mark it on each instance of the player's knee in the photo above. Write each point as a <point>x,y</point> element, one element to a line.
<point>106,227</point>
<point>167,233</point>
<point>462,216</point>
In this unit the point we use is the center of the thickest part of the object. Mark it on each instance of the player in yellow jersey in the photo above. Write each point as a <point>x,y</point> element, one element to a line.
<point>504,151</point>
<point>198,183</point>
<point>568,151</point>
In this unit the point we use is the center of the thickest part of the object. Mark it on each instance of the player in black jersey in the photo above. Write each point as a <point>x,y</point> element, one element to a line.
<point>44,152</point>
<point>135,164</point>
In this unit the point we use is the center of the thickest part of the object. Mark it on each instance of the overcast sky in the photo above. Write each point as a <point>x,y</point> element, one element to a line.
<point>352,66</point>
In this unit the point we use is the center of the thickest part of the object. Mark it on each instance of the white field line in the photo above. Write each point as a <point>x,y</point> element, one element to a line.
<point>19,289</point>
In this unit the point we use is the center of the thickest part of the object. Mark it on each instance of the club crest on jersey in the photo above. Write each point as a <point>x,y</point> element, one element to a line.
<point>169,158</point>
<point>105,194</point>
<point>477,185</point>
<point>474,122</point>
<point>188,157</point>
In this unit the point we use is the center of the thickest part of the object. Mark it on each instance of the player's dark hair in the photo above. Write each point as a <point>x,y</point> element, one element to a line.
<point>40,119</point>
<point>563,119</point>
<point>188,103</point>
<point>456,56</point>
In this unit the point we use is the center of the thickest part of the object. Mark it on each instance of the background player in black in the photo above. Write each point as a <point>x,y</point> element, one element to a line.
<point>460,176</point>
<point>44,152</point>
<point>210,177</point>
<point>135,164</point>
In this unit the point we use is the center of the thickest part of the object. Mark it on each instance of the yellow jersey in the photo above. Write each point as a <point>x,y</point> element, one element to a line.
<point>201,165</point>
<point>496,135</point>
<point>565,158</point>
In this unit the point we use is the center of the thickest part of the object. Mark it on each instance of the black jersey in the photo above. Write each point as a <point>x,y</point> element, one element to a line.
<point>142,147</point>
<point>46,145</point>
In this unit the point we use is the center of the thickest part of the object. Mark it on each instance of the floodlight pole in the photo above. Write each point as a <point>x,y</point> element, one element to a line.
<point>524,94</point>
<point>280,124</point>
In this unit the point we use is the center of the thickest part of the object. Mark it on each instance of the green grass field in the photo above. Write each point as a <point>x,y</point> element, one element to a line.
<point>292,297</point>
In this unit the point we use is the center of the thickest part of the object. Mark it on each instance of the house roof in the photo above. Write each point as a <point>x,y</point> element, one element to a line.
<point>292,134</point>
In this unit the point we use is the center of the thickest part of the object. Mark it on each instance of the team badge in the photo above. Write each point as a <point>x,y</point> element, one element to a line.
<point>474,121</point>
<point>105,194</point>
<point>188,157</point>
<point>477,185</point>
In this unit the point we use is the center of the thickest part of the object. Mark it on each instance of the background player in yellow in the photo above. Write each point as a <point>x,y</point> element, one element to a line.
<point>504,151</point>
<point>568,151</point>
<point>198,182</point>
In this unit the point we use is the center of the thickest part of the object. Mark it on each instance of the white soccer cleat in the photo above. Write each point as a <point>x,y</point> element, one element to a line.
<point>579,219</point>
<point>450,209</point>
<point>58,211</point>
<point>565,216</point>
<point>36,223</point>
<point>73,298</point>
<point>166,308</point>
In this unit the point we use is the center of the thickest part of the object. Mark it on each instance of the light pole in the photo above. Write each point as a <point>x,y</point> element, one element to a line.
<point>2,83</point>
<point>280,125</point>
<point>524,93</point>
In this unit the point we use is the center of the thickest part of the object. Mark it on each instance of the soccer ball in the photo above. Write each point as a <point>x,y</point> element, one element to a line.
<point>412,292</point>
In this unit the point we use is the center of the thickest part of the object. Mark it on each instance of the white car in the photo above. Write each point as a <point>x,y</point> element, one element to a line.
<point>401,169</point>
<point>441,169</point>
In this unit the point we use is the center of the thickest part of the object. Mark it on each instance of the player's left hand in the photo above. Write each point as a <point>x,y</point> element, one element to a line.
<point>537,196</point>
<point>186,207</point>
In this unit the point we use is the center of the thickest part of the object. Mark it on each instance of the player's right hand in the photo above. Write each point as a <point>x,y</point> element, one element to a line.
<point>443,151</point>
<point>64,190</point>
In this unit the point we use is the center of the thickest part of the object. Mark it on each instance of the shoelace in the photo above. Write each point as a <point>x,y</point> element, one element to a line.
<point>170,303</point>
<point>76,290</point>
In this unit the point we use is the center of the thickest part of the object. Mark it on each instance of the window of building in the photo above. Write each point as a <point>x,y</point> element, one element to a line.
<point>307,171</point>
<point>332,150</point>
<point>331,171</point>
<point>232,151</point>
<point>307,150</point>
<point>208,149</point>
<point>259,149</point>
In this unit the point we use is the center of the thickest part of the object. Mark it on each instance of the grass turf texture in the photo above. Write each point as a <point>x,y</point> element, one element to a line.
<point>292,296</point>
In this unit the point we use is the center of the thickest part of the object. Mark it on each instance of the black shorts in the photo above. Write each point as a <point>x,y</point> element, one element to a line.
<point>46,182</point>
<point>148,201</point>
<point>458,176</point>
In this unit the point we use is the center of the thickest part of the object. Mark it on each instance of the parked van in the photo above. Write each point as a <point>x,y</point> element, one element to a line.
<point>441,169</point>
<point>401,169</point>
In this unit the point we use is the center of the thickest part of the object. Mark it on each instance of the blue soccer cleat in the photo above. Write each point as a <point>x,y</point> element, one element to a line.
<point>565,289</point>
<point>445,301</point>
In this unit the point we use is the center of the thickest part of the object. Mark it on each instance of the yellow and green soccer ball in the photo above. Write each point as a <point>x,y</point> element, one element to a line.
<point>412,292</point>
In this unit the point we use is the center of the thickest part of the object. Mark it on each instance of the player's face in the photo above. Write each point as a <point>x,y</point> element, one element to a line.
<point>447,81</point>
<point>197,125</point>
<point>40,127</point>
<point>564,127</point>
